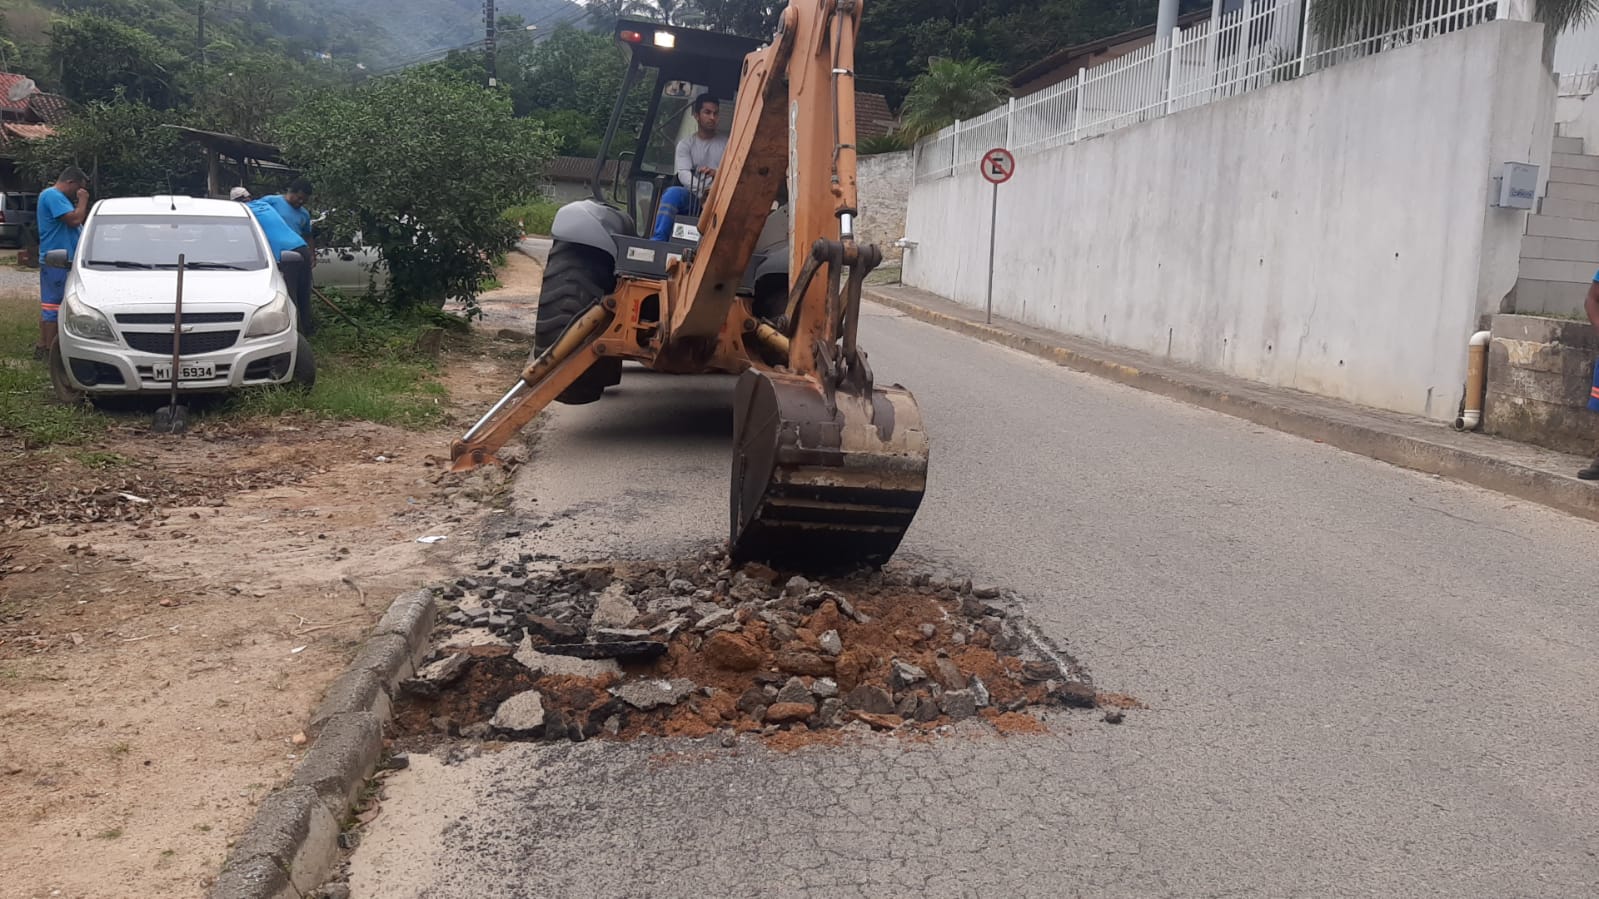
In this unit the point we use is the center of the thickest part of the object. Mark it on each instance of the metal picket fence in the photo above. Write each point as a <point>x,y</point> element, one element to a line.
<point>1259,44</point>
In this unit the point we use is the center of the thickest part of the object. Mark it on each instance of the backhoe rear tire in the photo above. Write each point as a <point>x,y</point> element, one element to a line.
<point>576,277</point>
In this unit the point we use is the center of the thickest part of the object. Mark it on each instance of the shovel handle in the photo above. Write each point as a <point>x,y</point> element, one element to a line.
<point>177,329</point>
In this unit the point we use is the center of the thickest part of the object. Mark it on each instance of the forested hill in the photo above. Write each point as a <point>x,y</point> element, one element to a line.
<point>899,36</point>
<point>411,28</point>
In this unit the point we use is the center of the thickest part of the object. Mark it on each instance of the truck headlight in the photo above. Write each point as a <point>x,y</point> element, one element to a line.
<point>84,322</point>
<point>273,318</point>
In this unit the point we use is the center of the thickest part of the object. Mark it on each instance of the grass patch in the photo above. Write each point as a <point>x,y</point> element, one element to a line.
<point>535,217</point>
<point>884,274</point>
<point>101,460</point>
<point>28,409</point>
<point>384,372</point>
<point>378,373</point>
<point>111,834</point>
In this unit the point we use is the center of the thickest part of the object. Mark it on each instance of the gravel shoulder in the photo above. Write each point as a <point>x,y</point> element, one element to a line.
<point>174,608</point>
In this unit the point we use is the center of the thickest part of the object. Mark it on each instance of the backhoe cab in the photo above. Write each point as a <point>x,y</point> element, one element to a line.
<point>765,283</point>
<point>669,67</point>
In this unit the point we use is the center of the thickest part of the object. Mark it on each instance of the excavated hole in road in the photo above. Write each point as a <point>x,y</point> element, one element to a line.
<point>529,650</point>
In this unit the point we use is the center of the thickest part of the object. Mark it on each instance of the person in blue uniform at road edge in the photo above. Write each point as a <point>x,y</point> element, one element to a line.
<point>63,207</point>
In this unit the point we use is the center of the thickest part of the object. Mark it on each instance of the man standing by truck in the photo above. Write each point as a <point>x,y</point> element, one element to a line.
<point>290,206</point>
<point>283,238</point>
<point>62,208</point>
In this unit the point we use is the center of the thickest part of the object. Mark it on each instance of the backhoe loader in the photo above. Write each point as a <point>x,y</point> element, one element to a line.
<point>765,283</point>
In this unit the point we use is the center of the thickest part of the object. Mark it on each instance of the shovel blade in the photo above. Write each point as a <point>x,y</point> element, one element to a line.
<point>170,420</point>
<point>820,487</point>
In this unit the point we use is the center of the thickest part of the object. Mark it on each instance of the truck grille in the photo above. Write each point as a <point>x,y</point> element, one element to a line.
<point>191,344</point>
<point>165,318</point>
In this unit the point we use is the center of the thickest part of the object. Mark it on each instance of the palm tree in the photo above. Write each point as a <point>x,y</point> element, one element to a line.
<point>951,89</point>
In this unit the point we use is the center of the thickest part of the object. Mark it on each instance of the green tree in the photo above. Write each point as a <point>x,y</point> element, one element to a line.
<point>749,18</point>
<point>124,148</point>
<point>951,89</point>
<point>97,58</point>
<point>243,92</point>
<point>672,12</point>
<point>422,162</point>
<point>602,14</point>
<point>574,71</point>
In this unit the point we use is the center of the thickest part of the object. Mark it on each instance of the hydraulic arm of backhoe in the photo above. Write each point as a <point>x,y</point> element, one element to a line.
<point>828,469</point>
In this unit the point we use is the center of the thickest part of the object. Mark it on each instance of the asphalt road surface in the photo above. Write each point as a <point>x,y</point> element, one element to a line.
<point>1364,681</point>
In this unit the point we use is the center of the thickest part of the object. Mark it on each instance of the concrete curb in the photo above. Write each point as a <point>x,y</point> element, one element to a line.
<point>1526,482</point>
<point>291,845</point>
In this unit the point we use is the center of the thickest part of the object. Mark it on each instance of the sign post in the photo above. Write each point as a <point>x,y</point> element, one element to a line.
<point>997,166</point>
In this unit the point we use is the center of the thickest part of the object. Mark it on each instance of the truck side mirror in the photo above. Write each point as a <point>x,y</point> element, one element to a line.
<point>57,259</point>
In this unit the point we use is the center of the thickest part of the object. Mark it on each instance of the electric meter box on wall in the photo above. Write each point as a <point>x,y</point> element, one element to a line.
<point>1518,186</point>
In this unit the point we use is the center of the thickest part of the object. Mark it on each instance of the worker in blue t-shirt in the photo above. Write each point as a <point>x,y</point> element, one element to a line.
<point>1590,305</point>
<point>282,239</point>
<point>290,206</point>
<point>62,208</point>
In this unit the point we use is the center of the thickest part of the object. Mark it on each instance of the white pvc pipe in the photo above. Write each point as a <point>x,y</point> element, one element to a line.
<point>1476,382</point>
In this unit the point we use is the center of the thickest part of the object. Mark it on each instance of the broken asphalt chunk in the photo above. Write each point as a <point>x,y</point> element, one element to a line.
<point>521,716</point>
<point>650,694</point>
<point>621,649</point>
<point>435,676</point>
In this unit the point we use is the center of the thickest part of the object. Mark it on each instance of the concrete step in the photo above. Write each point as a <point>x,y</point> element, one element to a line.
<point>1582,193</point>
<point>1563,175</point>
<point>1560,249</point>
<point>1563,270</point>
<point>1558,297</point>
<point>1556,226</point>
<point>1574,161</point>
<point>1554,207</point>
<point>1568,145</point>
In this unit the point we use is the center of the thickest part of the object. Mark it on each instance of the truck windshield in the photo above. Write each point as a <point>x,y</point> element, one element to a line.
<point>148,241</point>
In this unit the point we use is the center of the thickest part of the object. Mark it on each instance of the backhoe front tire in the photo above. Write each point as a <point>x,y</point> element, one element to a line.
<point>576,278</point>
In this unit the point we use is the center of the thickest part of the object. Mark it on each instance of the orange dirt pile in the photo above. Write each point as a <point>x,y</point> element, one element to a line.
<point>747,651</point>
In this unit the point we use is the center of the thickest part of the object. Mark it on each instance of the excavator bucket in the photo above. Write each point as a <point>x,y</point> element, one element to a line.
<point>823,480</point>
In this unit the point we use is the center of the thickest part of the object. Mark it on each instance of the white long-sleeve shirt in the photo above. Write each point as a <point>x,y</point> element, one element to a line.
<point>695,152</point>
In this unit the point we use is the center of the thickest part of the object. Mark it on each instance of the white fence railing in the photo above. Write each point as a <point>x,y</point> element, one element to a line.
<point>1261,43</point>
<point>1579,84</point>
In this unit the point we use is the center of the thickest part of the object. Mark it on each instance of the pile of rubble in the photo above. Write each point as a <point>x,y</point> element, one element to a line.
<point>534,650</point>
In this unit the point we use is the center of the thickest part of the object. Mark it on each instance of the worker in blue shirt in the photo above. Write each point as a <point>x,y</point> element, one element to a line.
<point>290,205</point>
<point>282,238</point>
<point>62,208</point>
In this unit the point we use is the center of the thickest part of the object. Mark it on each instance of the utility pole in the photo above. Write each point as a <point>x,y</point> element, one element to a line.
<point>488,42</point>
<point>1165,19</point>
<point>199,31</point>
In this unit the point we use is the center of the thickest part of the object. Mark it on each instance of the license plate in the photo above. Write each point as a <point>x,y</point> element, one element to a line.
<point>187,371</point>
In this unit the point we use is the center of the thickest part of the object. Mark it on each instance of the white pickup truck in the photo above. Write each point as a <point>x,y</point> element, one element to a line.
<point>350,269</point>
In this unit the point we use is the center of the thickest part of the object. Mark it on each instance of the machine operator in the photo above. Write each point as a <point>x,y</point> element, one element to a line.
<point>698,157</point>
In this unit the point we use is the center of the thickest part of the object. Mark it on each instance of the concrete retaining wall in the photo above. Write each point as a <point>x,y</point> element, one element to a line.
<point>1540,371</point>
<point>1332,233</point>
<point>884,184</point>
